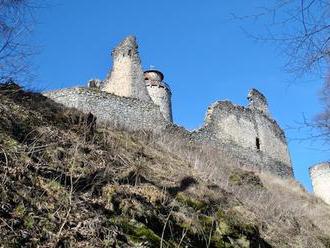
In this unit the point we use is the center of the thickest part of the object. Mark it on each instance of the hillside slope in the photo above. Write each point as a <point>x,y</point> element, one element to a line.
<point>65,182</point>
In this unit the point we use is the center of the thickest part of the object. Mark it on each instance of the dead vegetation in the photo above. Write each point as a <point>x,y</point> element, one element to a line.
<point>66,183</point>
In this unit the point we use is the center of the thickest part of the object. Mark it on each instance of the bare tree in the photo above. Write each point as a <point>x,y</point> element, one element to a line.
<point>301,28</point>
<point>322,120</point>
<point>15,26</point>
<point>308,41</point>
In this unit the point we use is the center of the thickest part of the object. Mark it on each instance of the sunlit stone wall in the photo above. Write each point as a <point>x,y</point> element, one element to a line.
<point>320,176</point>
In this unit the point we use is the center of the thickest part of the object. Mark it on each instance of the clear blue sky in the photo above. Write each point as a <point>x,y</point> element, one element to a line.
<point>204,55</point>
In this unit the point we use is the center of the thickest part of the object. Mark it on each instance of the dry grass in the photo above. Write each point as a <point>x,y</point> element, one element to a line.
<point>288,216</point>
<point>64,181</point>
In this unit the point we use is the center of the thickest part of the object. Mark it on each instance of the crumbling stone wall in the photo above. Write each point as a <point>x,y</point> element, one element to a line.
<point>228,153</point>
<point>257,101</point>
<point>124,112</point>
<point>126,77</point>
<point>95,84</point>
<point>229,128</point>
<point>249,133</point>
<point>320,175</point>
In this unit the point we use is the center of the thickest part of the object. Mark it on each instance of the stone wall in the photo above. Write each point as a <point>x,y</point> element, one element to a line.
<point>247,133</point>
<point>124,112</point>
<point>230,129</point>
<point>257,101</point>
<point>320,175</point>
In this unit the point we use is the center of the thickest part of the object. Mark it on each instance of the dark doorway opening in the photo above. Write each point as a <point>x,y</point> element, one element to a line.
<point>258,143</point>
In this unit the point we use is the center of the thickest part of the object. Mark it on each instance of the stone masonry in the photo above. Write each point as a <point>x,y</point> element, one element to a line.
<point>320,175</point>
<point>248,132</point>
<point>159,92</point>
<point>129,99</point>
<point>126,77</point>
<point>258,101</point>
<point>122,112</point>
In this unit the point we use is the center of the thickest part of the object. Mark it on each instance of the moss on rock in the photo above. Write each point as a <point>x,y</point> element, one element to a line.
<point>240,177</point>
<point>190,201</point>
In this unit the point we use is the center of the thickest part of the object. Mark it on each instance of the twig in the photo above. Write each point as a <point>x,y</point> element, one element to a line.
<point>6,158</point>
<point>183,235</point>
<point>163,232</point>
<point>11,229</point>
<point>63,224</point>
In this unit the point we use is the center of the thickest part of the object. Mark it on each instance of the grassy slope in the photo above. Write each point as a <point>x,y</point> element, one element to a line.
<point>66,183</point>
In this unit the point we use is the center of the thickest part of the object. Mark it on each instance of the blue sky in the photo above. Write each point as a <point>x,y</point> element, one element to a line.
<point>204,54</point>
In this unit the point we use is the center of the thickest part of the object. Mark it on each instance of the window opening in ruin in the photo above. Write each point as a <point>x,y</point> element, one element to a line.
<point>129,52</point>
<point>258,143</point>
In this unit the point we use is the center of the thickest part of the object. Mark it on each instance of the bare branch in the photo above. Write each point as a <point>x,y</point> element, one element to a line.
<point>15,26</point>
<point>301,29</point>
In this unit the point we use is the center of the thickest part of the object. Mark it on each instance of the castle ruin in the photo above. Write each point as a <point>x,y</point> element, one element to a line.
<point>320,176</point>
<point>137,100</point>
<point>126,77</point>
<point>159,92</point>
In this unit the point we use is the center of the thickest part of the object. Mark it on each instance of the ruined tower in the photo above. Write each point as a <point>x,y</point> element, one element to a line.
<point>258,101</point>
<point>126,77</point>
<point>320,176</point>
<point>159,92</point>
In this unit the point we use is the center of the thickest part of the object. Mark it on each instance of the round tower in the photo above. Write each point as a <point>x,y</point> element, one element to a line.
<point>159,92</point>
<point>320,176</point>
